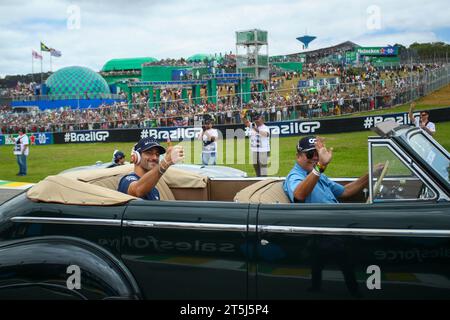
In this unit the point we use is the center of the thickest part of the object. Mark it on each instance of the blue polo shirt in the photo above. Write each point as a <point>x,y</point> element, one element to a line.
<point>325,191</point>
<point>128,179</point>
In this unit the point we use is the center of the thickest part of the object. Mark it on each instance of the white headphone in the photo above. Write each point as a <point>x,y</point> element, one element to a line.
<point>135,156</point>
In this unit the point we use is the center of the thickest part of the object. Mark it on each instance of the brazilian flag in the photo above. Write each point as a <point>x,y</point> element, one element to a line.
<point>44,47</point>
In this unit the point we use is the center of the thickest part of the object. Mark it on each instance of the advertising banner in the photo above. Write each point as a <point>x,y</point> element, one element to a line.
<point>377,51</point>
<point>282,129</point>
<point>35,138</point>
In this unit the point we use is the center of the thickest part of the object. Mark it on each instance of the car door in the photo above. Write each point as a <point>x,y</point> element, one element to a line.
<point>187,249</point>
<point>382,250</point>
<point>396,246</point>
<point>97,224</point>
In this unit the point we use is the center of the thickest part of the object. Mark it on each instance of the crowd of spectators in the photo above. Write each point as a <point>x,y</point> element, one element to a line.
<point>121,73</point>
<point>367,88</point>
<point>20,90</point>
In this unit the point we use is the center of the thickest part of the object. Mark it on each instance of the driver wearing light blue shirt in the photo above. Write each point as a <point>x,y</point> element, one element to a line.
<point>306,182</point>
<point>325,191</point>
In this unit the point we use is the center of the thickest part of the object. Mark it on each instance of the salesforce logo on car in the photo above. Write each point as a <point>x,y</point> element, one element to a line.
<point>91,136</point>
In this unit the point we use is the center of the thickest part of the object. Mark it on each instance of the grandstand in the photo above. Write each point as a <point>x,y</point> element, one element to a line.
<point>124,69</point>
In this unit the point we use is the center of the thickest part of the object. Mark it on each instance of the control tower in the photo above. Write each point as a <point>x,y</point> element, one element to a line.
<point>252,53</point>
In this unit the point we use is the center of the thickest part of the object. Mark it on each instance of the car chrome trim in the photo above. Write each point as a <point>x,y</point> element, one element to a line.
<point>189,226</point>
<point>356,231</point>
<point>439,193</point>
<point>79,221</point>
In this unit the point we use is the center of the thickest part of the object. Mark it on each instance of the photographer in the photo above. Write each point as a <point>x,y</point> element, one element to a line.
<point>259,143</point>
<point>209,137</point>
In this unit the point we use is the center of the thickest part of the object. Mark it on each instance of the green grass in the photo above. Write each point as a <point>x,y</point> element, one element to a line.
<point>349,155</point>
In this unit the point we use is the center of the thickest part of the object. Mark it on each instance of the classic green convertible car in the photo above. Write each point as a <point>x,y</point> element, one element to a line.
<point>73,236</point>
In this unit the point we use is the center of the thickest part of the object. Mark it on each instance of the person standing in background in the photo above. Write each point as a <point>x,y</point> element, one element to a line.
<point>259,144</point>
<point>209,137</point>
<point>21,151</point>
<point>422,122</point>
<point>118,158</point>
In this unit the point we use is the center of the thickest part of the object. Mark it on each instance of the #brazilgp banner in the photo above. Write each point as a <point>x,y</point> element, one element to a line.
<point>282,129</point>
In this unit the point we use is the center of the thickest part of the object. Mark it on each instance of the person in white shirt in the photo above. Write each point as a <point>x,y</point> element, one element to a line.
<point>422,122</point>
<point>21,151</point>
<point>259,144</point>
<point>209,137</point>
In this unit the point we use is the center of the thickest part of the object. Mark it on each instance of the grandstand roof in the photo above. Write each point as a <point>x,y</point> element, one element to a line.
<point>75,81</point>
<point>127,64</point>
<point>347,45</point>
<point>200,57</point>
<point>323,52</point>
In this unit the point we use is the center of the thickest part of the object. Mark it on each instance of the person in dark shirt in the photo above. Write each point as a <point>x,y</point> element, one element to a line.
<point>118,158</point>
<point>148,169</point>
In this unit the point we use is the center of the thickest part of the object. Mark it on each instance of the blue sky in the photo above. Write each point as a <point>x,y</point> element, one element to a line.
<point>89,33</point>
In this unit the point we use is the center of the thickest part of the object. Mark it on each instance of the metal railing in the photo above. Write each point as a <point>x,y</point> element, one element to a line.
<point>66,97</point>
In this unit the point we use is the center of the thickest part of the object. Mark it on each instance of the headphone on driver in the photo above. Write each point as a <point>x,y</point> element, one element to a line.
<point>135,155</point>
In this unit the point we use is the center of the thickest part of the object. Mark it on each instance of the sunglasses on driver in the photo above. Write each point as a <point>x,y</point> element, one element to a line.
<point>310,153</point>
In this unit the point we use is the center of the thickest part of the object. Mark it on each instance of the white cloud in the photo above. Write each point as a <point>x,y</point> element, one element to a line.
<point>176,28</point>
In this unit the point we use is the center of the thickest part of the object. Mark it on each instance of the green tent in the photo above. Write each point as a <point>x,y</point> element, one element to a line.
<point>202,57</point>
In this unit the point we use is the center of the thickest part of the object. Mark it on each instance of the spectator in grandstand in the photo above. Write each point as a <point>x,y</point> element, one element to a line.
<point>209,137</point>
<point>148,169</point>
<point>423,121</point>
<point>306,182</point>
<point>118,158</point>
<point>358,90</point>
<point>21,151</point>
<point>259,143</point>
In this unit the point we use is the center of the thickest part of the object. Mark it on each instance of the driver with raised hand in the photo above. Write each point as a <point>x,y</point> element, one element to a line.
<point>148,169</point>
<point>307,183</point>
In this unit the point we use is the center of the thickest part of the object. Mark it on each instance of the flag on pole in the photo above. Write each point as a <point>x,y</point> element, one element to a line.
<point>44,47</point>
<point>36,55</point>
<point>55,53</point>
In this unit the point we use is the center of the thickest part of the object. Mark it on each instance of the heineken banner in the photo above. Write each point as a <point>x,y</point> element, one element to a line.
<point>377,51</point>
<point>283,129</point>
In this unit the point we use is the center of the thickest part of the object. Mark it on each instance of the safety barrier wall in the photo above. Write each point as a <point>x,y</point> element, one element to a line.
<point>282,129</point>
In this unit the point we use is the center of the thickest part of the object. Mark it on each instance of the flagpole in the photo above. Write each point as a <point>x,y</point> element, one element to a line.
<point>32,67</point>
<point>50,62</point>
<point>42,58</point>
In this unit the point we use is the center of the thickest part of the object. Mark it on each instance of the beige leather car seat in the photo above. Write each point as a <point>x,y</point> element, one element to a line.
<point>265,191</point>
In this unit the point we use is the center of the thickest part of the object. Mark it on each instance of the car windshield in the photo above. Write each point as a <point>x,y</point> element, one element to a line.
<point>437,159</point>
